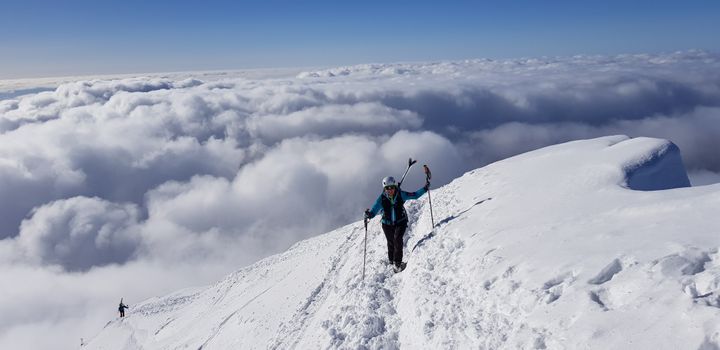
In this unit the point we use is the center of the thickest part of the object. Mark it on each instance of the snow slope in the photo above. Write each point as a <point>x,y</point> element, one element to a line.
<point>594,244</point>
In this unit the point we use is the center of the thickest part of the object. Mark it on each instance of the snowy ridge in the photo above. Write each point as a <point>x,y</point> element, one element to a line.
<point>554,249</point>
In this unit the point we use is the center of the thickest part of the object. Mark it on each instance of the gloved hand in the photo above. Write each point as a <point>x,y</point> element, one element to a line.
<point>427,185</point>
<point>368,214</point>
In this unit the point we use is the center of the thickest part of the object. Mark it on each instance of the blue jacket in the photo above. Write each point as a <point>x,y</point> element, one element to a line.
<point>385,204</point>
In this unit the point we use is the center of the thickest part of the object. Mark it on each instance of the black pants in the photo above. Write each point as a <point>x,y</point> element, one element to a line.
<point>394,235</point>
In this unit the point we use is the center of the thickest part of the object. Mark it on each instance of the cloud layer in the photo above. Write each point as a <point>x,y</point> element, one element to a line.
<point>105,176</point>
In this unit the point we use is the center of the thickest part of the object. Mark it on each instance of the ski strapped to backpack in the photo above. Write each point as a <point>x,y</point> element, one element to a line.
<point>411,162</point>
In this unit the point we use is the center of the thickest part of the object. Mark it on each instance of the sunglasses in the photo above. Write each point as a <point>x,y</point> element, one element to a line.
<point>389,187</point>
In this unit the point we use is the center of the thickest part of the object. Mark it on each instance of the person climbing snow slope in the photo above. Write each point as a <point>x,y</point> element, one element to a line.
<point>121,308</point>
<point>394,217</point>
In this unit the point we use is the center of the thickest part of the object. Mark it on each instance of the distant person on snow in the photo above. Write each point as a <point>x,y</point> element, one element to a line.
<point>122,308</point>
<point>394,219</point>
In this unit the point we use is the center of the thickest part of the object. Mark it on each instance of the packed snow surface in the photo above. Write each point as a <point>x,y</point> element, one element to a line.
<point>590,244</point>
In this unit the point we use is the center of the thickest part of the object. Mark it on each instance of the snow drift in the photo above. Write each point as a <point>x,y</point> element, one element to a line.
<point>555,248</point>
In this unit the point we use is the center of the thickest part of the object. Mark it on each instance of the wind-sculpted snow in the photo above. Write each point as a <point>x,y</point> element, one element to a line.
<point>661,170</point>
<point>546,250</point>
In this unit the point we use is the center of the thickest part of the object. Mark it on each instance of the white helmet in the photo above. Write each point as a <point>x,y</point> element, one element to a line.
<point>389,181</point>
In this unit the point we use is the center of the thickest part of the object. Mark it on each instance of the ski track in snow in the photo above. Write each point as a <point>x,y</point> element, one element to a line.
<point>291,332</point>
<point>217,329</point>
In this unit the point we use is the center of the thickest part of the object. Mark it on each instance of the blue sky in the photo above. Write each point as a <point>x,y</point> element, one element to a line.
<point>49,38</point>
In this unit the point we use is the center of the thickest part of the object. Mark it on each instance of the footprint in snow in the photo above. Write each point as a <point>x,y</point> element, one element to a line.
<point>607,273</point>
<point>552,290</point>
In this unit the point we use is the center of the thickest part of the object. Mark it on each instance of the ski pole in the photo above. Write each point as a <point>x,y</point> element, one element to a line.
<point>365,250</point>
<point>410,164</point>
<point>428,176</point>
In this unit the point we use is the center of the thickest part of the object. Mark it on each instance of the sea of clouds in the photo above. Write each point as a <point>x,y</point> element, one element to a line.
<point>135,187</point>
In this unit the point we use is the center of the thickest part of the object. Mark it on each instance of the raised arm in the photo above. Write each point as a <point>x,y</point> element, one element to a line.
<point>414,195</point>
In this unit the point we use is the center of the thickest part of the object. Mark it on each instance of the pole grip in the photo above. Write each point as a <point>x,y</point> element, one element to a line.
<point>428,174</point>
